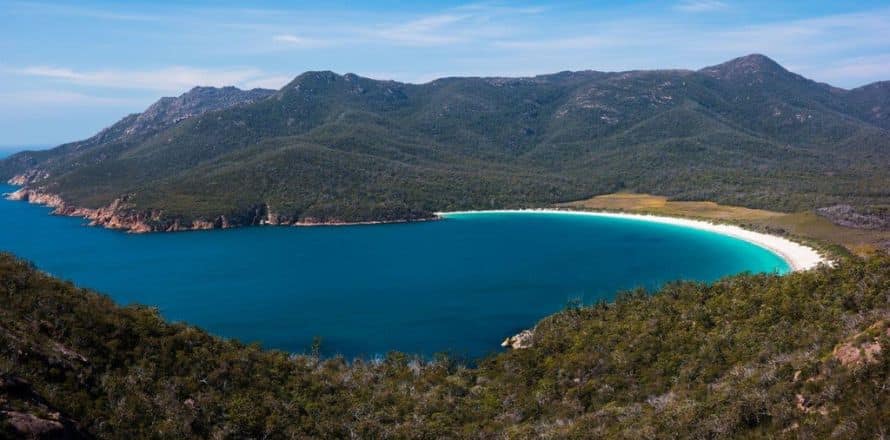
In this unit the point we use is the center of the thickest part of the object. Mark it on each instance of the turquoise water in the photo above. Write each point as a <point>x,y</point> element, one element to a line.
<point>458,285</point>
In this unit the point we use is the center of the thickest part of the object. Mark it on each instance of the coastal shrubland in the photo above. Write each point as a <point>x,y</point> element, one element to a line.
<point>800,355</point>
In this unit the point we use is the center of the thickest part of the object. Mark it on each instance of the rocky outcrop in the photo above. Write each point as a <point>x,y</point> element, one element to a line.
<point>118,215</point>
<point>25,414</point>
<point>522,339</point>
<point>28,177</point>
<point>848,216</point>
<point>122,215</point>
<point>18,180</point>
<point>29,425</point>
<point>113,216</point>
<point>863,348</point>
<point>850,355</point>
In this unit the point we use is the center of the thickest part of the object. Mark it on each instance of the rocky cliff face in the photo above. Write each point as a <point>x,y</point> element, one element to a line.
<point>123,215</point>
<point>113,216</point>
<point>118,215</point>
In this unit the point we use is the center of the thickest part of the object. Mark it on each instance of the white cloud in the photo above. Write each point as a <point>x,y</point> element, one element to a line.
<point>830,37</point>
<point>505,38</point>
<point>294,41</point>
<point>700,5</point>
<point>501,9</point>
<point>77,11</point>
<point>168,79</point>
<point>868,68</point>
<point>794,41</point>
<point>581,42</point>
<point>274,82</point>
<point>62,98</point>
<point>431,30</point>
<point>465,24</point>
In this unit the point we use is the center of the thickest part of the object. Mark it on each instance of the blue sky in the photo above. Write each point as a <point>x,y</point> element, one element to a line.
<point>68,69</point>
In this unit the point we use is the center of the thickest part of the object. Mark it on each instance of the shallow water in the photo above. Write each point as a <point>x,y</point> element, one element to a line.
<point>458,285</point>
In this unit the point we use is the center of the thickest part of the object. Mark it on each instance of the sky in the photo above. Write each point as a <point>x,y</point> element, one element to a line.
<point>69,69</point>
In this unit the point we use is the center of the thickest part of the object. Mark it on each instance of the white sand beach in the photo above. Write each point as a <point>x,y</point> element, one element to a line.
<point>799,257</point>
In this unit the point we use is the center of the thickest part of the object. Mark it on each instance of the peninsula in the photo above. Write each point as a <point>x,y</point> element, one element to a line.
<point>332,149</point>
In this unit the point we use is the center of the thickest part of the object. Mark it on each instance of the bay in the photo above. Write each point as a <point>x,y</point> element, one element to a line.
<point>459,285</point>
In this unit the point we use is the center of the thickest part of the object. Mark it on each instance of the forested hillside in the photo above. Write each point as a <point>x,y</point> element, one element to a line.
<point>795,356</point>
<point>339,148</point>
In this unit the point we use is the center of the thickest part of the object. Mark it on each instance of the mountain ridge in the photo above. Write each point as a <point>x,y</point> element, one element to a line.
<point>330,148</point>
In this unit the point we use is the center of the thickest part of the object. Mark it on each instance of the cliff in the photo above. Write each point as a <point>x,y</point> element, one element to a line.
<point>122,215</point>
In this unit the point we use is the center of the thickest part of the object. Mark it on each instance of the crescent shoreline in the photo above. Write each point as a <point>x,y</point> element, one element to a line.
<point>798,256</point>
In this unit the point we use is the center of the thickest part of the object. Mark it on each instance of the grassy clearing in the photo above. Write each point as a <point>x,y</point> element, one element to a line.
<point>806,224</point>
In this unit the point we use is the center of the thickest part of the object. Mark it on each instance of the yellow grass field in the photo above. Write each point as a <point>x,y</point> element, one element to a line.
<point>806,225</point>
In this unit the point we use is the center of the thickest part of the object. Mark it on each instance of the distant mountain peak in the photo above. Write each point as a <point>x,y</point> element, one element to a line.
<point>756,58</point>
<point>875,86</point>
<point>748,65</point>
<point>198,100</point>
<point>171,110</point>
<point>314,76</point>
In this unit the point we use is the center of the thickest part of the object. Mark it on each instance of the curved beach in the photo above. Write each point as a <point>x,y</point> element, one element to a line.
<point>797,256</point>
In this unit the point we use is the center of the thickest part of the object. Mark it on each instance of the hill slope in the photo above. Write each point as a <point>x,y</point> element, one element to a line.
<point>342,148</point>
<point>796,356</point>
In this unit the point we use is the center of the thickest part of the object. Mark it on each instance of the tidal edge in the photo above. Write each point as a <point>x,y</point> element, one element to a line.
<point>796,255</point>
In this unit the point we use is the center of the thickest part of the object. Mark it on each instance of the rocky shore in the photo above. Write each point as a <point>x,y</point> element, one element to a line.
<point>112,216</point>
<point>121,215</point>
<point>520,340</point>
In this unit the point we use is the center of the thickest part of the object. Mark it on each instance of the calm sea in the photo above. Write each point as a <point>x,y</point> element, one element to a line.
<point>459,285</point>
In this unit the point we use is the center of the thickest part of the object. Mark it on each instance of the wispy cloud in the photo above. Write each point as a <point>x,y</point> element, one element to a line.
<point>572,43</point>
<point>794,39</point>
<point>701,5</point>
<point>833,34</point>
<point>80,11</point>
<point>63,98</point>
<point>291,40</point>
<point>506,37</point>
<point>466,24</point>
<point>431,30</point>
<point>274,82</point>
<point>491,8</point>
<point>169,79</point>
<point>867,67</point>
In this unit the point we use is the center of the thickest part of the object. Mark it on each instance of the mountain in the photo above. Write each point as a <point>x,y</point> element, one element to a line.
<point>133,128</point>
<point>872,103</point>
<point>750,356</point>
<point>343,148</point>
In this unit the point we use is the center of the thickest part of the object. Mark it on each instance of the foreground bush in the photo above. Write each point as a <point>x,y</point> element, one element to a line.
<point>750,355</point>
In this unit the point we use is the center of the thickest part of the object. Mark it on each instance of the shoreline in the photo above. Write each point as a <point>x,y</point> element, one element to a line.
<point>797,256</point>
<point>109,217</point>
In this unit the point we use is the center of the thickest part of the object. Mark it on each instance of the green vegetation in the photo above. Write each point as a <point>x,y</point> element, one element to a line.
<point>342,147</point>
<point>801,355</point>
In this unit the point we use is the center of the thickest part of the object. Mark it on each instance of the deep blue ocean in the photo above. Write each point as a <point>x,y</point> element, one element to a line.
<point>459,285</point>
